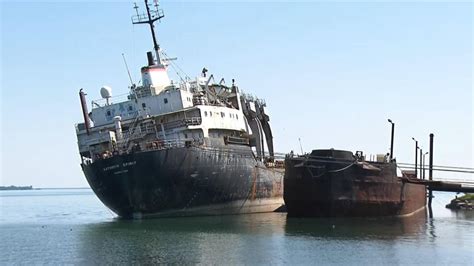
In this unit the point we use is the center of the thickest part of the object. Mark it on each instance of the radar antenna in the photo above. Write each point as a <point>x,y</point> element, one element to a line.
<point>149,18</point>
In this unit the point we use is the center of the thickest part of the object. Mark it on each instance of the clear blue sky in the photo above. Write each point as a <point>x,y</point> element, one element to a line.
<point>331,73</point>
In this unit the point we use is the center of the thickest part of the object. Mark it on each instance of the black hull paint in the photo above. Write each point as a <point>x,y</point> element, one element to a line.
<point>185,181</point>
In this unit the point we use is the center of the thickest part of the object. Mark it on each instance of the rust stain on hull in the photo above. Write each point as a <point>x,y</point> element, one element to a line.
<point>325,188</point>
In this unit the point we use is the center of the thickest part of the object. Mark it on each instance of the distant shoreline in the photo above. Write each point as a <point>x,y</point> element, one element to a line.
<point>10,188</point>
<point>16,187</point>
<point>62,188</point>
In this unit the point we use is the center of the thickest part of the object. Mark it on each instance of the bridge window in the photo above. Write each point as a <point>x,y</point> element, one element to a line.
<point>165,100</point>
<point>130,108</point>
<point>236,116</point>
<point>108,113</point>
<point>222,114</point>
<point>205,113</point>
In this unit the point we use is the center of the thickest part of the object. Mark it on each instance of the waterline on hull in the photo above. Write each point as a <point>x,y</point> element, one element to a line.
<point>231,208</point>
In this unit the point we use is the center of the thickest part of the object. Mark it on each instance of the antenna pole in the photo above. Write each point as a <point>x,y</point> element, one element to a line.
<point>128,71</point>
<point>136,8</point>
<point>151,17</point>
<point>152,28</point>
<point>301,147</point>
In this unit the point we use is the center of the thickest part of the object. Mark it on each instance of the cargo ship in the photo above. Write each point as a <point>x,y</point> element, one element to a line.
<point>338,183</point>
<point>193,147</point>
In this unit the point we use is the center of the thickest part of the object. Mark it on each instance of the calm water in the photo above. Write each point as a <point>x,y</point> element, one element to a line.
<point>70,226</point>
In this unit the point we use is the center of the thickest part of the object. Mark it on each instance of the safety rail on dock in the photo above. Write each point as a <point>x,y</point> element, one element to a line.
<point>446,186</point>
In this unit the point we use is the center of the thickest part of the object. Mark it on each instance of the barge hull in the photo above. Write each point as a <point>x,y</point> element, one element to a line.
<point>366,200</point>
<point>333,183</point>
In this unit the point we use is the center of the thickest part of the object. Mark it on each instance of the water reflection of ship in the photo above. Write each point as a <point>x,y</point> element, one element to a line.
<point>196,239</point>
<point>176,240</point>
<point>353,228</point>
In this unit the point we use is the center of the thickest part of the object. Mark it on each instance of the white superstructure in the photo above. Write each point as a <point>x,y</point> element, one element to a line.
<point>162,114</point>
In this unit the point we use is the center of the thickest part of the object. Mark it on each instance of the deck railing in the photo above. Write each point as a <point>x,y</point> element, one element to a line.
<point>149,146</point>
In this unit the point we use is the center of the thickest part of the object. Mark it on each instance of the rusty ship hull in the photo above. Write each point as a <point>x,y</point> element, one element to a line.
<point>340,186</point>
<point>186,181</point>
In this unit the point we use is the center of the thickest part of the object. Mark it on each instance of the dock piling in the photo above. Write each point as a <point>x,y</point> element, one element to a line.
<point>421,163</point>
<point>430,175</point>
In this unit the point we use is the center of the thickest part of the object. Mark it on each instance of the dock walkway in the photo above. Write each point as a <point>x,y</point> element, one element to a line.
<point>445,185</point>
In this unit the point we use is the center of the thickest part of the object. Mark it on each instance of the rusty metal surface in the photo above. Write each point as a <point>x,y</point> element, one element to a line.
<point>347,188</point>
<point>187,180</point>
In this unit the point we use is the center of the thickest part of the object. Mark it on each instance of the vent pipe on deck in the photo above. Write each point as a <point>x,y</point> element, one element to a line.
<point>118,128</point>
<point>85,113</point>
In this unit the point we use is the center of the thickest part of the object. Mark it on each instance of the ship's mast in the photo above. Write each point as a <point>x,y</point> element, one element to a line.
<point>150,18</point>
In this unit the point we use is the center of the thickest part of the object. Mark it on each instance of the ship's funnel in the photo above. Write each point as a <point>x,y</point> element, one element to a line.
<point>151,61</point>
<point>87,124</point>
<point>156,77</point>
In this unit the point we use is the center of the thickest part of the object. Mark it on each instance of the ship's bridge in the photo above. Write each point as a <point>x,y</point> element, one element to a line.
<point>169,100</point>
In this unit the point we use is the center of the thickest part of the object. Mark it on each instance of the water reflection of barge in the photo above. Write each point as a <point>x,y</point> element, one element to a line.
<point>328,183</point>
<point>388,228</point>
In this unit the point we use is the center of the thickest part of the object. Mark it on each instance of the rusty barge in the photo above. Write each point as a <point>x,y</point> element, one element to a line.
<point>337,183</point>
